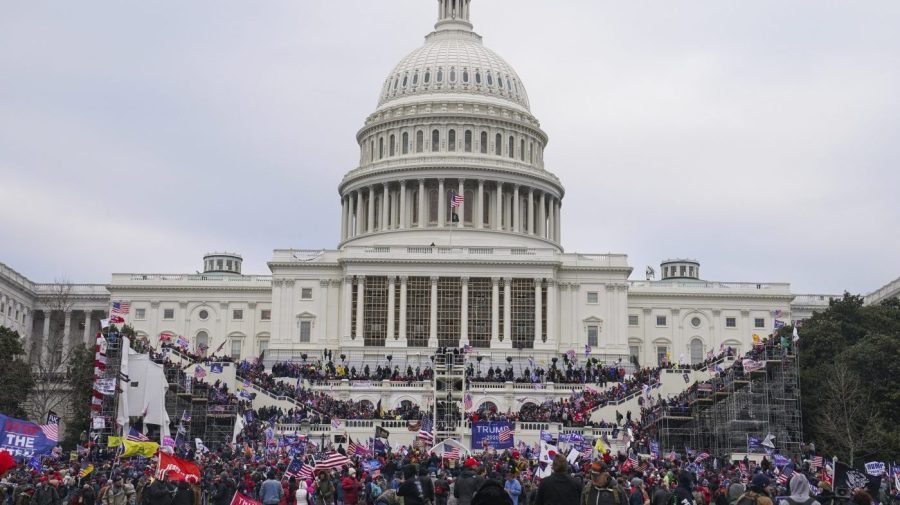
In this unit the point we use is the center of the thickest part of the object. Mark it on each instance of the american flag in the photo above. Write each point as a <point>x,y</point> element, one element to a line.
<point>121,308</point>
<point>425,431</point>
<point>51,431</point>
<point>703,456</point>
<point>467,401</point>
<point>467,349</point>
<point>454,453</point>
<point>199,372</point>
<point>293,470</point>
<point>505,434</point>
<point>816,462</point>
<point>457,200</point>
<point>633,462</point>
<point>356,449</point>
<point>785,475</point>
<point>136,436</point>
<point>587,350</point>
<point>337,424</point>
<point>333,460</point>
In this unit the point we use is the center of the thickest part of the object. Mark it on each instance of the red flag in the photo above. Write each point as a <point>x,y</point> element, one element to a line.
<point>241,499</point>
<point>172,468</point>
<point>7,462</point>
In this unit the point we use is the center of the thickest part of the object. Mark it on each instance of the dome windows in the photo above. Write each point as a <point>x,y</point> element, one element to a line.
<point>415,78</point>
<point>465,75</point>
<point>451,141</point>
<point>427,76</point>
<point>484,142</point>
<point>452,75</point>
<point>498,145</point>
<point>500,81</point>
<point>420,141</point>
<point>405,140</point>
<point>393,145</point>
<point>490,79</point>
<point>440,75</point>
<point>405,80</point>
<point>477,77</point>
<point>381,148</point>
<point>522,150</point>
<point>435,141</point>
<point>511,147</point>
<point>396,80</point>
<point>467,141</point>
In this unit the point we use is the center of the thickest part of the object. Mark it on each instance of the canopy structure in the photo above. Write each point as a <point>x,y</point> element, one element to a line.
<point>448,444</point>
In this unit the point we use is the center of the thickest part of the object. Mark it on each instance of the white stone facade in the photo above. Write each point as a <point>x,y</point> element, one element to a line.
<point>417,268</point>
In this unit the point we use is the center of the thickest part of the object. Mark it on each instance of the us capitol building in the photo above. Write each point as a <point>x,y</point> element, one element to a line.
<point>451,234</point>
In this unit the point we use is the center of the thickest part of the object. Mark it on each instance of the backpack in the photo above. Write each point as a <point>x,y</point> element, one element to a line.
<point>750,498</point>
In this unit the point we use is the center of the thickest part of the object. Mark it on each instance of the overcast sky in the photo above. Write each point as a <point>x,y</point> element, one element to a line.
<point>761,138</point>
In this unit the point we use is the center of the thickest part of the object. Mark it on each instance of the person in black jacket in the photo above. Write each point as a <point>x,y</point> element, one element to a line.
<point>683,493</point>
<point>559,488</point>
<point>184,495</point>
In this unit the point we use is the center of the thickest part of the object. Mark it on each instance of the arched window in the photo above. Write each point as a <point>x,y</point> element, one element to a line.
<point>380,147</point>
<point>440,75</point>
<point>466,75</point>
<point>427,76</point>
<point>490,79</point>
<point>372,150</point>
<point>696,350</point>
<point>405,80</point>
<point>498,145</point>
<point>468,209</point>
<point>452,74</point>
<point>396,79</point>
<point>202,342</point>
<point>405,139</point>
<point>522,150</point>
<point>500,81</point>
<point>467,141</point>
<point>477,77</point>
<point>451,140</point>
<point>531,153</point>
<point>420,141</point>
<point>392,148</point>
<point>435,141</point>
<point>484,145</point>
<point>416,78</point>
<point>432,206</point>
<point>512,147</point>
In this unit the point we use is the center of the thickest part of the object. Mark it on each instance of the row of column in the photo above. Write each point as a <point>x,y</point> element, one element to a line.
<point>496,284</point>
<point>69,338</point>
<point>525,210</point>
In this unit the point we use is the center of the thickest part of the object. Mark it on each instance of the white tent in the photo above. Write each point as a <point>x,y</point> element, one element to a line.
<point>448,444</point>
<point>146,392</point>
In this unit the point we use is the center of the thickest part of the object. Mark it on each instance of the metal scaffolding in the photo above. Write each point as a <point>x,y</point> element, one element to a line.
<point>719,415</point>
<point>449,389</point>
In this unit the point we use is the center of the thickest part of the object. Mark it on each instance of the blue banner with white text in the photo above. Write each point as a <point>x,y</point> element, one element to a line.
<point>23,439</point>
<point>487,434</point>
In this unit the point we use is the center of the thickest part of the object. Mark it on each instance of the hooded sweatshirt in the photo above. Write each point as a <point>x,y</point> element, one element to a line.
<point>799,492</point>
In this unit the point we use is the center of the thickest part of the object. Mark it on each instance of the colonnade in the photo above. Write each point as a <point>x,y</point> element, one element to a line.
<point>426,203</point>
<point>69,338</point>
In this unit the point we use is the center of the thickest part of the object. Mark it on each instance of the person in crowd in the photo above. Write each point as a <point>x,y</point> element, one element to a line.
<point>467,483</point>
<point>800,494</point>
<point>600,490</point>
<point>758,493</point>
<point>121,493</point>
<point>411,491</point>
<point>351,487</point>
<point>324,494</point>
<point>513,487</point>
<point>684,493</point>
<point>559,487</point>
<point>184,495</point>
<point>270,492</point>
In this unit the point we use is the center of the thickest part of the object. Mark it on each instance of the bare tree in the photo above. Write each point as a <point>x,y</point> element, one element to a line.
<point>49,366</point>
<point>846,421</point>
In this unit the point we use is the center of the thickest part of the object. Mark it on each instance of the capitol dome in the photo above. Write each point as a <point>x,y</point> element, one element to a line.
<point>452,154</point>
<point>454,61</point>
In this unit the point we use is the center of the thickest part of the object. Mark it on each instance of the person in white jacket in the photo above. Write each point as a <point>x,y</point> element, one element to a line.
<point>302,493</point>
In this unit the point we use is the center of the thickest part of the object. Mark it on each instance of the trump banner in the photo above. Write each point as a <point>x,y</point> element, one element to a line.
<point>487,434</point>
<point>23,439</point>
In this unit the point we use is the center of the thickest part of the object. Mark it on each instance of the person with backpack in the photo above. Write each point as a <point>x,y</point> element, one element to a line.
<point>411,492</point>
<point>684,494</point>
<point>757,495</point>
<point>324,489</point>
<point>661,496</point>
<point>441,489</point>
<point>799,492</point>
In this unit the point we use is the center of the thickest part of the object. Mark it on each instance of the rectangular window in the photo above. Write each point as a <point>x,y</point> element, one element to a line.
<point>759,322</point>
<point>662,355</point>
<point>731,322</point>
<point>306,294</point>
<point>263,346</point>
<point>235,349</point>
<point>237,315</point>
<point>593,332</point>
<point>593,297</point>
<point>265,315</point>
<point>140,314</point>
<point>168,313</point>
<point>633,320</point>
<point>305,330</point>
<point>634,351</point>
<point>660,320</point>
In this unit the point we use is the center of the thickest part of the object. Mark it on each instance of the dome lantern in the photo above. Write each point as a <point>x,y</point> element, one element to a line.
<point>453,15</point>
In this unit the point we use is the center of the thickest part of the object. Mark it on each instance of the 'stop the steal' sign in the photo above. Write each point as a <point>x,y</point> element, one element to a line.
<point>23,439</point>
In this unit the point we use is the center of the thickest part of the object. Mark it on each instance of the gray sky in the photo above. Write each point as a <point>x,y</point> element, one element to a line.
<point>761,138</point>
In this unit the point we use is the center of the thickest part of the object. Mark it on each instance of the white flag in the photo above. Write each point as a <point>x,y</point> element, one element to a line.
<point>796,334</point>
<point>200,447</point>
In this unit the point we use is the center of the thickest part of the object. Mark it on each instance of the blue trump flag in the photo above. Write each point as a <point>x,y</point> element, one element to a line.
<point>23,439</point>
<point>215,368</point>
<point>487,434</point>
<point>753,443</point>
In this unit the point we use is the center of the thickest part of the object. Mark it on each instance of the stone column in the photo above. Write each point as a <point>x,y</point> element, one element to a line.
<point>360,303</point>
<point>507,313</point>
<point>385,197</point>
<point>464,312</point>
<point>390,340</point>
<point>461,210</point>
<point>495,311</point>
<point>517,227</point>
<point>347,308</point>
<point>551,313</point>
<point>432,327</point>
<point>422,214</point>
<point>403,341</point>
<point>499,207</point>
<point>370,217</point>
<point>87,327</point>
<point>442,204</point>
<point>479,218</point>
<point>343,218</point>
<point>359,214</point>
<point>48,347</point>
<point>404,219</point>
<point>538,319</point>
<point>67,331</point>
<point>542,216</point>
<point>531,211</point>
<point>558,222</point>
<point>551,228</point>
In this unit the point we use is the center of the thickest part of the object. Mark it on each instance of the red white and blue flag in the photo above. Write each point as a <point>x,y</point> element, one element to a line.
<point>453,453</point>
<point>457,200</point>
<point>467,402</point>
<point>426,432</point>
<point>136,436</point>
<point>121,308</point>
<point>505,434</point>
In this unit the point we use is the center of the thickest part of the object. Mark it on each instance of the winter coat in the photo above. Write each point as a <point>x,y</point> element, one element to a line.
<point>558,488</point>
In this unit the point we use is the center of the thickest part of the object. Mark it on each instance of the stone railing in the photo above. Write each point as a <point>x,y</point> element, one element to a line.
<point>779,287</point>
<point>246,280</point>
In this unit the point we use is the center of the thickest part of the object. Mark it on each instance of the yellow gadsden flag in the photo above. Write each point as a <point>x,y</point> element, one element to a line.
<point>600,446</point>
<point>145,449</point>
<point>114,441</point>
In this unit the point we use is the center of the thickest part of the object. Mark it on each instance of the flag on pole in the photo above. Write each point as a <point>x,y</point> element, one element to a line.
<point>457,200</point>
<point>796,334</point>
<point>121,308</point>
<point>467,401</point>
<point>425,431</point>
